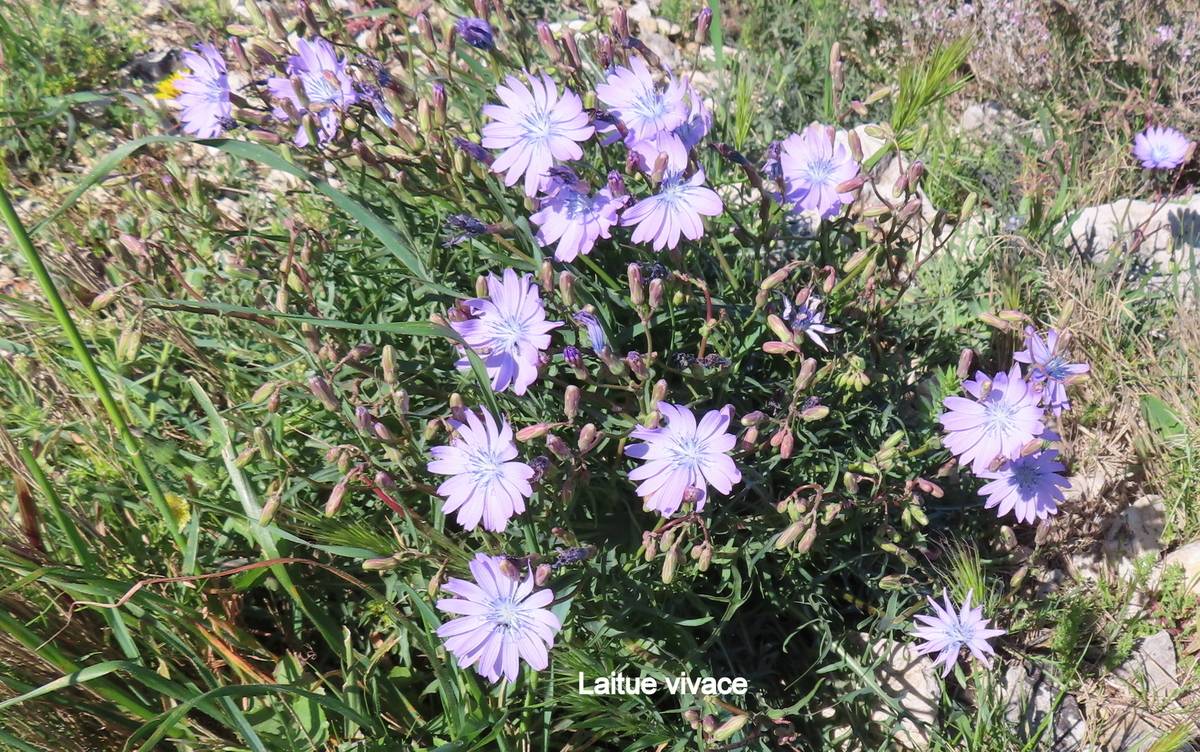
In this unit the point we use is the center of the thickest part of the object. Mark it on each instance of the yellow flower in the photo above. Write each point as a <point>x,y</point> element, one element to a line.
<point>167,88</point>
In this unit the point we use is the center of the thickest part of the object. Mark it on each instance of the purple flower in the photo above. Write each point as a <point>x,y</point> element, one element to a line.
<point>808,318</point>
<point>594,329</point>
<point>812,165</point>
<point>473,150</point>
<point>572,216</point>
<point>947,633</point>
<point>683,459</point>
<point>503,621</point>
<point>1030,487</point>
<point>676,209</point>
<point>203,97</point>
<point>463,227</point>
<point>486,483</point>
<point>1002,418</point>
<point>509,331</point>
<point>1161,148</point>
<point>327,87</point>
<point>1050,370</point>
<point>645,110</point>
<point>476,32</point>
<point>534,129</point>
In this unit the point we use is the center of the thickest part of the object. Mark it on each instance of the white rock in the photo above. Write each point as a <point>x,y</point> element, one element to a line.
<point>912,681</point>
<point>639,13</point>
<point>667,51</point>
<point>1163,236</point>
<point>1029,697</point>
<point>1151,670</point>
<point>1187,557</point>
<point>1134,534</point>
<point>990,121</point>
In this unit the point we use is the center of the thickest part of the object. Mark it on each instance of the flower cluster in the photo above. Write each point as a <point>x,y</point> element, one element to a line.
<point>1001,432</point>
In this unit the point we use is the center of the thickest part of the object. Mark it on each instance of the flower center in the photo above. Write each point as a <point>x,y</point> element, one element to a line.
<point>505,614</point>
<point>507,332</point>
<point>1056,368</point>
<point>1025,476</point>
<point>484,465</point>
<point>1000,415</point>
<point>537,125</point>
<point>650,106</point>
<point>963,633</point>
<point>323,88</point>
<point>687,452</point>
<point>819,170</point>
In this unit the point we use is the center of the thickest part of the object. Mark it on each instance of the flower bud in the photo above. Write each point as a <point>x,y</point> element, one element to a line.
<point>546,276</point>
<point>324,393</point>
<point>637,365</point>
<point>269,509</point>
<point>439,105</point>
<point>708,723</point>
<point>730,727</point>
<point>790,534</point>
<point>637,294</point>
<point>993,321</point>
<point>334,503</point>
<point>260,395</point>
<point>425,33</point>
<point>656,294</point>
<point>363,419</point>
<point>659,393</point>
<point>814,413</point>
<point>566,287</point>
<point>671,563</point>
<point>572,49</point>
<point>851,185</point>
<point>380,564</point>
<point>749,439</point>
<point>775,347</point>
<point>965,359</point>
<point>779,328</point>
<point>620,22</point>
<point>786,445</point>
<point>541,575</point>
<point>558,447</point>
<point>692,716</point>
<point>546,40</point>
<point>706,557</point>
<point>571,400</point>
<point>703,24</point>
<point>589,437</point>
<point>383,433</point>
<point>616,186</point>
<point>529,433</point>
<point>775,278</point>
<point>650,545</point>
<point>605,52</point>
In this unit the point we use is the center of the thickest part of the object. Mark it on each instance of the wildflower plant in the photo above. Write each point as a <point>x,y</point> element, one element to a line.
<point>543,357</point>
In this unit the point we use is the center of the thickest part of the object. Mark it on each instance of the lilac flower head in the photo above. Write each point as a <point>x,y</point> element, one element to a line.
<point>573,217</point>
<point>502,621</point>
<point>633,97</point>
<point>509,331</point>
<point>1002,418</point>
<point>327,87</point>
<point>203,97</point>
<point>1050,370</point>
<point>683,458</point>
<point>947,633</point>
<point>474,150</point>
<point>595,331</point>
<point>676,209</point>
<point>808,318</point>
<point>1030,486</point>
<point>1160,148</point>
<point>812,165</point>
<point>534,128</point>
<point>476,32</point>
<point>487,482</point>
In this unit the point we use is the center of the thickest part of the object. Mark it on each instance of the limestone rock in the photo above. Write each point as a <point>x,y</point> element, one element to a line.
<point>913,682</point>
<point>1029,697</point>
<point>1163,236</point>
<point>1187,557</point>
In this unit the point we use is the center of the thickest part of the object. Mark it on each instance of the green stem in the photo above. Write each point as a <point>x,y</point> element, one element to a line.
<point>89,366</point>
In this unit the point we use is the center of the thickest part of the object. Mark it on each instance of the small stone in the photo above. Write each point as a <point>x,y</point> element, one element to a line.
<point>912,681</point>
<point>1029,697</point>
<point>1187,557</point>
<point>1151,670</point>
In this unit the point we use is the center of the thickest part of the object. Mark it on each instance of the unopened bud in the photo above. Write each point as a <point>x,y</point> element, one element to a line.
<point>571,399</point>
<point>649,545</point>
<point>324,393</point>
<point>775,278</point>
<point>656,294</point>
<point>851,185</point>
<point>616,185</point>
<point>439,105</point>
<point>566,287</point>
<point>659,393</point>
<point>558,447</point>
<point>425,33</point>
<point>965,359</point>
<point>670,564</point>
<point>509,569</point>
<point>787,445</point>
<point>572,49</point>
<point>706,557</point>
<point>816,412</point>
<point>637,365</point>
<point>781,330</point>
<point>994,321</point>
<point>546,40</point>
<point>546,276</point>
<point>529,433</point>
<point>541,575</point>
<point>380,564</point>
<point>703,24</point>
<point>334,503</point>
<point>727,729</point>
<point>620,22</point>
<point>588,438</point>
<point>790,534</point>
<point>637,293</point>
<point>269,509</point>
